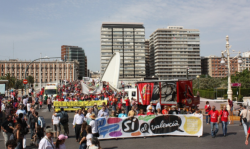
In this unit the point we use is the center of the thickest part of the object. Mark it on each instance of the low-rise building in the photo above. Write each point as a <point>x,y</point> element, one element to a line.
<point>51,70</point>
<point>211,66</point>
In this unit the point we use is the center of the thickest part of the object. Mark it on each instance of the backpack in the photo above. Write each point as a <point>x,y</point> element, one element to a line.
<point>64,118</point>
<point>41,122</point>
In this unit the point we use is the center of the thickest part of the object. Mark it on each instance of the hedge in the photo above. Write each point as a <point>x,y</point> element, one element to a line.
<point>222,92</point>
<point>205,93</point>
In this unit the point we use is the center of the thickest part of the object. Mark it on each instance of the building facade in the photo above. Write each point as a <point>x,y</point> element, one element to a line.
<point>147,58</point>
<point>211,66</point>
<point>50,70</point>
<point>173,51</point>
<point>70,53</point>
<point>129,40</point>
<point>245,63</point>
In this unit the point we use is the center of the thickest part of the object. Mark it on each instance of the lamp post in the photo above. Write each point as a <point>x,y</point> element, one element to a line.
<point>227,52</point>
<point>40,67</point>
<point>198,77</point>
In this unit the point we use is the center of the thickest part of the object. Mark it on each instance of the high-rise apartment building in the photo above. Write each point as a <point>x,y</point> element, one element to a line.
<point>173,51</point>
<point>147,58</point>
<point>129,40</point>
<point>70,53</point>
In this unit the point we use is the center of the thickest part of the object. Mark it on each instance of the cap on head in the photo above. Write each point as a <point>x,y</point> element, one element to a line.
<point>49,130</point>
<point>62,137</point>
<point>92,116</point>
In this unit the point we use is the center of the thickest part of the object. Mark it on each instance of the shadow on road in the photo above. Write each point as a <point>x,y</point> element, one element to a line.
<point>110,147</point>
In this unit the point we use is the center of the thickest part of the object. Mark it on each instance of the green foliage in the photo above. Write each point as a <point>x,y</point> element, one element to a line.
<point>12,80</point>
<point>240,98</point>
<point>19,84</point>
<point>234,98</point>
<point>205,93</point>
<point>205,76</point>
<point>207,83</point>
<point>225,96</point>
<point>30,79</point>
<point>242,77</point>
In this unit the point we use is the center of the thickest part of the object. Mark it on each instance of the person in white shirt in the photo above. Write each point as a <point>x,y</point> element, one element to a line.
<point>158,105</point>
<point>151,105</point>
<point>77,123</point>
<point>3,106</point>
<point>103,112</point>
<point>90,111</point>
<point>47,142</point>
<point>93,124</point>
<point>29,106</point>
<point>25,101</point>
<point>89,135</point>
<point>56,124</point>
<point>30,90</point>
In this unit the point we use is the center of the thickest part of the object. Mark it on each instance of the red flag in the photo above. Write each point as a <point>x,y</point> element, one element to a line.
<point>145,91</point>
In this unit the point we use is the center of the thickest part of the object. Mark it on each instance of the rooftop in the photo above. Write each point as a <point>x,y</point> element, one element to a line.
<point>122,24</point>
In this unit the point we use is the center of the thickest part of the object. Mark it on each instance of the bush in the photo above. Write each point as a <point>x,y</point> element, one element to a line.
<point>240,98</point>
<point>225,96</point>
<point>223,92</point>
<point>205,93</point>
<point>234,98</point>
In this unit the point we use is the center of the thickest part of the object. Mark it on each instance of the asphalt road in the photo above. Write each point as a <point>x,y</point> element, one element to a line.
<point>235,139</point>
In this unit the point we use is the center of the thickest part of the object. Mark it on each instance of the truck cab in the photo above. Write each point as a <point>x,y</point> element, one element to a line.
<point>131,93</point>
<point>50,89</point>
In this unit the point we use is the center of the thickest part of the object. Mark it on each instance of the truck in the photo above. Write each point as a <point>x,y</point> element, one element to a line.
<point>50,89</point>
<point>167,92</point>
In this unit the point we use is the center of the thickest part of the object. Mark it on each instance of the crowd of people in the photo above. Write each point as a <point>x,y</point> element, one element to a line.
<point>20,119</point>
<point>20,116</point>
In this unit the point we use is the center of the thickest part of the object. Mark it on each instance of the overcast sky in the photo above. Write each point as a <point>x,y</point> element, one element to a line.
<point>43,26</point>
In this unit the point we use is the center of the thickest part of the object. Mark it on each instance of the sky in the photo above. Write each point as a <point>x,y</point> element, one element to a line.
<point>31,27</point>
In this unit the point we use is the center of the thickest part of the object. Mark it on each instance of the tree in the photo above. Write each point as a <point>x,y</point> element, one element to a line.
<point>12,80</point>
<point>30,80</point>
<point>207,83</point>
<point>242,77</point>
<point>19,84</point>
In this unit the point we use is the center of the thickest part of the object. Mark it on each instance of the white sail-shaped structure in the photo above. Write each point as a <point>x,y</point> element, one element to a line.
<point>111,73</point>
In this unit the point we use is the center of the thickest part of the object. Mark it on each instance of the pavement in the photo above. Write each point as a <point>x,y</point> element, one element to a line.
<point>234,139</point>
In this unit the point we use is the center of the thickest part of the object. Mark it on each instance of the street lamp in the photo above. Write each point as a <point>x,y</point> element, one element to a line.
<point>40,68</point>
<point>227,53</point>
<point>198,77</point>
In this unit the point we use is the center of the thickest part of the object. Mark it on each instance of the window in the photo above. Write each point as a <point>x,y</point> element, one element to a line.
<point>133,93</point>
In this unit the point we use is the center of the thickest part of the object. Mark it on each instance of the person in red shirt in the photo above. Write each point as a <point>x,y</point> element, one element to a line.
<point>165,110</point>
<point>214,121</point>
<point>119,105</point>
<point>207,109</point>
<point>248,132</point>
<point>141,112</point>
<point>114,103</point>
<point>150,111</point>
<point>127,105</point>
<point>224,120</point>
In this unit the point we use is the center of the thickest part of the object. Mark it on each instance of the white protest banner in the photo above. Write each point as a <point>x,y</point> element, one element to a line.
<point>140,126</point>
